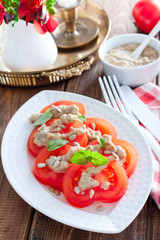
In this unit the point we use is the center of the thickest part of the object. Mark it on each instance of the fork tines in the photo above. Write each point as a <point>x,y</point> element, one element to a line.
<point>113,94</point>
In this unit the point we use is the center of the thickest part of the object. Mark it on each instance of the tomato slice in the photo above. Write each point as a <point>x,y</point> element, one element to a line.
<point>81,139</point>
<point>70,181</point>
<point>66,103</point>
<point>131,156</point>
<point>32,147</point>
<point>101,125</point>
<point>114,173</point>
<point>46,175</point>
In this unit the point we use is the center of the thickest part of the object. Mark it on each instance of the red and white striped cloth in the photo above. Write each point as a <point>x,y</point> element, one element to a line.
<point>150,95</point>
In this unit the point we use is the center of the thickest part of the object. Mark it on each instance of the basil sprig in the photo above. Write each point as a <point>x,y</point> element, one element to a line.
<point>55,144</point>
<point>101,142</point>
<point>82,118</point>
<point>83,157</point>
<point>43,118</point>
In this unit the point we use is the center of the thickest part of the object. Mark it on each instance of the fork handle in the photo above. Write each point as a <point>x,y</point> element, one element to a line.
<point>153,144</point>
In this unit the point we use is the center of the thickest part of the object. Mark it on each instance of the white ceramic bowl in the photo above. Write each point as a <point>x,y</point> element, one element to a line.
<point>131,76</point>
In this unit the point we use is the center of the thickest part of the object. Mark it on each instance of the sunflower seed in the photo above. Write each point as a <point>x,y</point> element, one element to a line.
<point>57,192</point>
<point>51,189</point>
<point>58,158</point>
<point>107,152</point>
<point>115,155</point>
<point>77,190</point>
<point>41,165</point>
<point>100,208</point>
<point>57,109</point>
<point>93,126</point>
<point>56,164</point>
<point>91,194</point>
<point>76,144</point>
<point>72,137</point>
<point>61,126</point>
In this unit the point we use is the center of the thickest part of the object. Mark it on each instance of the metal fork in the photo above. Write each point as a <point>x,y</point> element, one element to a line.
<point>114,97</point>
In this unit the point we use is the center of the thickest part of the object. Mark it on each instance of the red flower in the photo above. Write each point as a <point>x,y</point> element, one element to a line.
<point>50,26</point>
<point>2,13</point>
<point>28,8</point>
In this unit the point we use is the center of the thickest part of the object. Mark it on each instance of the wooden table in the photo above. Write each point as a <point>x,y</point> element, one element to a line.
<point>18,221</point>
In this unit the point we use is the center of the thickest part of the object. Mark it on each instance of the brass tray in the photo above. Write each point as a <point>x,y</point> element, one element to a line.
<point>69,63</point>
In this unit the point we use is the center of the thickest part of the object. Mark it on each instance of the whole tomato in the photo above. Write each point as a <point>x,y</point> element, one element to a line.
<point>146,14</point>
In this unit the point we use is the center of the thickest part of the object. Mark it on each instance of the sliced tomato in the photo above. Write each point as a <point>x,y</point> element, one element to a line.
<point>101,125</point>
<point>114,174</point>
<point>131,156</point>
<point>46,175</point>
<point>81,139</point>
<point>66,103</point>
<point>32,147</point>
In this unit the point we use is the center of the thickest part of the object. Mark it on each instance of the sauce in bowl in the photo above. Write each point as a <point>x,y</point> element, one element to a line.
<point>121,56</point>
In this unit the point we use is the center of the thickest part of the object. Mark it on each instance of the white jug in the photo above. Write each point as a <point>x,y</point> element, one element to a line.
<point>25,50</point>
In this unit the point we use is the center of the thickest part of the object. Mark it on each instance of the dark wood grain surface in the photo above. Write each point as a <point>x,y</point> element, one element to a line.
<point>18,221</point>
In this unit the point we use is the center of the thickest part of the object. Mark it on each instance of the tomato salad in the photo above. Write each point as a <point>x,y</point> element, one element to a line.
<point>80,156</point>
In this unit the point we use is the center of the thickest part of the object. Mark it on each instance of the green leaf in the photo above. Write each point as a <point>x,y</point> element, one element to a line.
<point>81,157</point>
<point>82,118</point>
<point>52,10</point>
<point>98,159</point>
<point>43,118</point>
<point>49,5</point>
<point>101,142</point>
<point>55,144</point>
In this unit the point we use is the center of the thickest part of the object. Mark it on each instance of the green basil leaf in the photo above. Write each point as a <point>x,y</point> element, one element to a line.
<point>101,142</point>
<point>98,159</point>
<point>82,118</point>
<point>55,144</point>
<point>89,155</point>
<point>43,118</point>
<point>81,157</point>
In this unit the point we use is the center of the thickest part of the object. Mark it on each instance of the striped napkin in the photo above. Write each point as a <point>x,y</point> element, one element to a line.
<point>150,95</point>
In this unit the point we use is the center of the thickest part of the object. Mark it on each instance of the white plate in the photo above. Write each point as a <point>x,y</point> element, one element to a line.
<point>17,164</point>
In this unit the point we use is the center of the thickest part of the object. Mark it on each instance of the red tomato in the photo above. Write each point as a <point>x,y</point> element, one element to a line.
<point>146,14</point>
<point>113,173</point>
<point>131,156</point>
<point>81,139</point>
<point>66,103</point>
<point>101,125</point>
<point>46,175</point>
<point>32,147</point>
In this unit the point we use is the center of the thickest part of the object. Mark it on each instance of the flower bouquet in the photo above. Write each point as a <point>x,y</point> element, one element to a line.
<point>38,12</point>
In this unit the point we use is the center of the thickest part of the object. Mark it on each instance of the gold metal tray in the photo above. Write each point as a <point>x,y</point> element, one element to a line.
<point>70,62</point>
